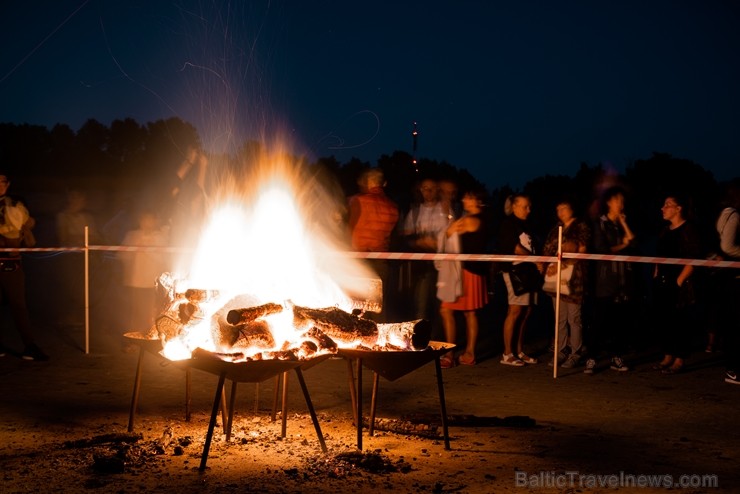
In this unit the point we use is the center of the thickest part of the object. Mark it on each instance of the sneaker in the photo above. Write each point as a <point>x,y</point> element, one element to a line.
<point>561,359</point>
<point>618,365</point>
<point>571,361</point>
<point>32,352</point>
<point>590,364</point>
<point>731,377</point>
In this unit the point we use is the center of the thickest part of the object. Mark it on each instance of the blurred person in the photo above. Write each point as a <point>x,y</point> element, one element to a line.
<point>421,227</point>
<point>516,237</point>
<point>614,283</point>
<point>372,219</point>
<point>16,224</point>
<point>472,232</point>
<point>71,222</point>
<point>674,296</point>
<point>448,198</point>
<point>189,198</point>
<point>728,293</point>
<point>576,238</point>
<point>142,268</point>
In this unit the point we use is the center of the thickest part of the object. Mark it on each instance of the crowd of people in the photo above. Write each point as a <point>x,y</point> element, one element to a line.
<point>599,301</point>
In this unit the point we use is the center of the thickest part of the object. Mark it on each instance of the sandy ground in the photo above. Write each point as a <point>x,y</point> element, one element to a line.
<point>63,428</point>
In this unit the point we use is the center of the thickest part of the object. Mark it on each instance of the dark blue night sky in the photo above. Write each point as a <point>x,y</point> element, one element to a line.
<point>508,90</point>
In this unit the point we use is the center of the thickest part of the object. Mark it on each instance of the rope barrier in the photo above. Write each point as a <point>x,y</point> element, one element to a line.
<point>416,256</point>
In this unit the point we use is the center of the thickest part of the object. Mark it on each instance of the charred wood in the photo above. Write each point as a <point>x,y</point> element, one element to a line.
<point>322,340</point>
<point>404,427</point>
<point>116,438</point>
<point>338,324</point>
<point>253,334</point>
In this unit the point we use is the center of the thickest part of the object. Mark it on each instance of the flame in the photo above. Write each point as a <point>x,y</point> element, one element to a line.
<point>259,243</point>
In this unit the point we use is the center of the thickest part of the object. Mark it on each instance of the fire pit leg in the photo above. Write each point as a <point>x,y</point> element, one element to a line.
<point>373,403</point>
<point>212,423</point>
<point>231,411</point>
<point>352,391</point>
<point>311,410</point>
<point>135,396</point>
<point>256,397</point>
<point>441,388</point>
<point>283,413</point>
<point>187,394</point>
<point>358,417</point>
<point>275,395</point>
<point>224,408</point>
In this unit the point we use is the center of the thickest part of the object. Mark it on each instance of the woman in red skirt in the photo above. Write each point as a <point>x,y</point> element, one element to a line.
<point>471,230</point>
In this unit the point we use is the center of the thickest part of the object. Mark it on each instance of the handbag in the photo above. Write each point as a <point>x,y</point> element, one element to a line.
<point>551,278</point>
<point>525,277</point>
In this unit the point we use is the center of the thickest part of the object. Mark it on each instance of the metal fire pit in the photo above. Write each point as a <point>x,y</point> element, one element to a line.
<point>392,365</point>
<point>153,346</point>
<point>250,372</point>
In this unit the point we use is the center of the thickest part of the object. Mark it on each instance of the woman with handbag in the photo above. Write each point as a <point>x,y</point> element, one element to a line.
<point>674,286</point>
<point>473,235</point>
<point>576,236</point>
<point>522,279</point>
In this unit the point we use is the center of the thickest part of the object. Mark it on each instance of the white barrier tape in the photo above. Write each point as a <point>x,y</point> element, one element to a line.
<point>654,260</point>
<point>415,256</point>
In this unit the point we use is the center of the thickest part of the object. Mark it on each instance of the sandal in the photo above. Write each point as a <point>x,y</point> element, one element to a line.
<point>526,358</point>
<point>446,362</point>
<point>510,359</point>
<point>663,364</point>
<point>466,361</point>
<point>674,369</point>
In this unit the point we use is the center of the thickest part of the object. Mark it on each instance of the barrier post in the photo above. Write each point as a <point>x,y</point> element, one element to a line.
<point>556,350</point>
<point>87,290</point>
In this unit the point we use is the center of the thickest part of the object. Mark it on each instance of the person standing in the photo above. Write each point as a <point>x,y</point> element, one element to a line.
<point>675,296</point>
<point>372,218</point>
<point>421,228</point>
<point>576,237</point>
<point>472,232</point>
<point>16,224</point>
<point>614,288</point>
<point>515,237</point>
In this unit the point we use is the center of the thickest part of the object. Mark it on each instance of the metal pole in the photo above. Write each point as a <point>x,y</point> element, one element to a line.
<point>557,306</point>
<point>87,290</point>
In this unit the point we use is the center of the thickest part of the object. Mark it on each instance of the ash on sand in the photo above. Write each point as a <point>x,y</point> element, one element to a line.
<point>63,428</point>
<point>257,459</point>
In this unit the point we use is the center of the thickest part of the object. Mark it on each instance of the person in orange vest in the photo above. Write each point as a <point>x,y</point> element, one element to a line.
<point>372,218</point>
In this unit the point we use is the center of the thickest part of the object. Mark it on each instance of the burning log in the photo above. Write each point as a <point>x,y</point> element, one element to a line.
<point>253,334</point>
<point>407,335</point>
<point>323,342</point>
<point>338,324</point>
<point>237,316</point>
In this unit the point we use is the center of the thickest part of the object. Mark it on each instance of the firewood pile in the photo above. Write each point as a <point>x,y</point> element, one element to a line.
<point>241,329</point>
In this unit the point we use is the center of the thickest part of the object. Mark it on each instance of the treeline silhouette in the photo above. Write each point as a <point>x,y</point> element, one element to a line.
<point>117,162</point>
